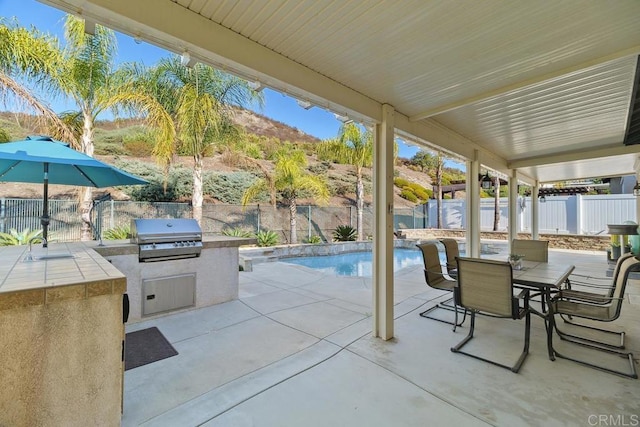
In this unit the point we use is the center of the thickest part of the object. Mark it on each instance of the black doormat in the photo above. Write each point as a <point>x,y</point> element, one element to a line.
<point>146,346</point>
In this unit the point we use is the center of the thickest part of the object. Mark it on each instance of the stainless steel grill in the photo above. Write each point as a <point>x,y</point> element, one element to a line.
<point>166,239</point>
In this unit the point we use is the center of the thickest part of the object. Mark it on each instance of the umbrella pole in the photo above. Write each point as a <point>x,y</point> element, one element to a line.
<point>44,220</point>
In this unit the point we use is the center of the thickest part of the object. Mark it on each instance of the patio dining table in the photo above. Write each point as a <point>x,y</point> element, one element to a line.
<point>545,277</point>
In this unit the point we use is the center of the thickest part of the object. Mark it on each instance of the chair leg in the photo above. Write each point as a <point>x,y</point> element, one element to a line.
<point>629,356</point>
<point>577,338</point>
<point>442,305</point>
<point>525,350</point>
<point>469,336</point>
<point>515,368</point>
<point>553,352</point>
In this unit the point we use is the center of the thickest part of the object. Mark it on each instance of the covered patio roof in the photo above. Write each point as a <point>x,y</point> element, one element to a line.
<point>538,91</point>
<point>544,88</point>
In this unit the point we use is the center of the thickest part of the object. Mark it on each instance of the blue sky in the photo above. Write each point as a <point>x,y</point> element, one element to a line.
<point>316,121</point>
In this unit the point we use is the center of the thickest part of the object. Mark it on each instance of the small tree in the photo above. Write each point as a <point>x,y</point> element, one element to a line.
<point>291,181</point>
<point>353,147</point>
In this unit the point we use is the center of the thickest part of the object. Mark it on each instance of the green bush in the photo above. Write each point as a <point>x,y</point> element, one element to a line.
<point>344,233</point>
<point>267,238</point>
<point>400,182</point>
<point>119,232</point>
<point>315,239</point>
<point>253,150</point>
<point>228,187</point>
<point>236,232</point>
<point>15,237</point>
<point>139,144</point>
<point>407,194</point>
<point>420,192</point>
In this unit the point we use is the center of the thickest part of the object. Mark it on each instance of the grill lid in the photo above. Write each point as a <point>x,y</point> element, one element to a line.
<point>165,230</point>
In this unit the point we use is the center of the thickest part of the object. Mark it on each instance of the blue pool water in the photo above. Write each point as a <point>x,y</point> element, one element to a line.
<point>356,263</point>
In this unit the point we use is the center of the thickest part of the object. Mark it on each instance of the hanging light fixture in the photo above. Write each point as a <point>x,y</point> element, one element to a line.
<point>486,182</point>
<point>636,189</point>
<point>186,60</point>
<point>543,199</point>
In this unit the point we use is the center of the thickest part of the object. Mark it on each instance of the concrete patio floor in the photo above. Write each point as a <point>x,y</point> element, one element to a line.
<point>296,350</point>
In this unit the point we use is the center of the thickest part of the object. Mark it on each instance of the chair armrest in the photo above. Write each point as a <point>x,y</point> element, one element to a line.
<point>584,297</point>
<point>524,294</point>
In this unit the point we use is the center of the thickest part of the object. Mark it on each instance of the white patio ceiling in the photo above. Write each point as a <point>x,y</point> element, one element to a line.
<point>542,86</point>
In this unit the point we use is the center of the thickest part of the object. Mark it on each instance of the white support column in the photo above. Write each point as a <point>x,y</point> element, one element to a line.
<point>473,206</point>
<point>383,225</point>
<point>535,209</point>
<point>513,207</point>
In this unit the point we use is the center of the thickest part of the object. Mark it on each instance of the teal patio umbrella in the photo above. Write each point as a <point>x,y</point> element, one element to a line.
<point>43,159</point>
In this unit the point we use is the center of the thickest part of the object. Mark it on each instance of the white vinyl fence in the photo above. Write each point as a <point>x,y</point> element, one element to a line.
<point>559,214</point>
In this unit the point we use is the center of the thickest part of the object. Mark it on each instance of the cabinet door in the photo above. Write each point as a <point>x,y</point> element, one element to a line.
<point>168,293</point>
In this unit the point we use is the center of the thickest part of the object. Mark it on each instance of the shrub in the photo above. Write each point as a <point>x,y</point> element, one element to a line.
<point>236,232</point>
<point>344,233</point>
<point>407,194</point>
<point>400,182</point>
<point>15,237</point>
<point>228,187</point>
<point>267,238</point>
<point>319,168</point>
<point>253,150</point>
<point>139,144</point>
<point>315,239</point>
<point>119,232</point>
<point>420,192</point>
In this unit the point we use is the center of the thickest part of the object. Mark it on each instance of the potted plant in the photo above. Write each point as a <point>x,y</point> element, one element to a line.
<point>516,261</point>
<point>615,250</point>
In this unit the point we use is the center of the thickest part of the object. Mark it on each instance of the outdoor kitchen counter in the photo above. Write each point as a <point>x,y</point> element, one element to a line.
<point>61,336</point>
<point>37,281</point>
<point>125,247</point>
<point>161,287</point>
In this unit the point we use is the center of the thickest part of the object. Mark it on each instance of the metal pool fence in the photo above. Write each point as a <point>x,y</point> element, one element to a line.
<point>562,214</point>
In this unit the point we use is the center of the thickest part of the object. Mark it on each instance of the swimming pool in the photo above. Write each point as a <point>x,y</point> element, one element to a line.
<point>356,263</point>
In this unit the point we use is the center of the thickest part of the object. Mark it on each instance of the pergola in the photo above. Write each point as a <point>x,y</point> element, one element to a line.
<point>540,91</point>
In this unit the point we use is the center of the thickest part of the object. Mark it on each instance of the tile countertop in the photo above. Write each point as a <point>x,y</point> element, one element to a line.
<point>78,272</point>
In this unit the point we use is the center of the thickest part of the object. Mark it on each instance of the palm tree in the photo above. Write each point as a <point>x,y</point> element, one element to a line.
<point>198,100</point>
<point>353,147</point>
<point>291,181</point>
<point>84,71</point>
<point>28,54</point>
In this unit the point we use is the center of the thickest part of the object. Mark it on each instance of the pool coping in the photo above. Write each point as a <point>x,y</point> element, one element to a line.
<point>248,256</point>
<point>252,255</point>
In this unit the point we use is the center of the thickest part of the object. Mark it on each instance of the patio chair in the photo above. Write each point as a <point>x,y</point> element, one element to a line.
<point>435,278</point>
<point>452,252</point>
<point>598,293</point>
<point>597,307</point>
<point>486,287</point>
<point>533,250</point>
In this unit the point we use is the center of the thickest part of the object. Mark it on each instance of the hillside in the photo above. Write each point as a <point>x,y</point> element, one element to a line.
<point>113,144</point>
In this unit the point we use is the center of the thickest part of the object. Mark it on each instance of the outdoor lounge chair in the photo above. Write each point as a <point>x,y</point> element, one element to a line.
<point>486,287</point>
<point>597,307</point>
<point>532,250</point>
<point>452,252</point>
<point>435,278</point>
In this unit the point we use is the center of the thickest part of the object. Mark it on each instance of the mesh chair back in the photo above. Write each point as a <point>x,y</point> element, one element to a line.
<point>625,266</point>
<point>533,250</point>
<point>486,286</point>
<point>432,268</point>
<point>452,252</point>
